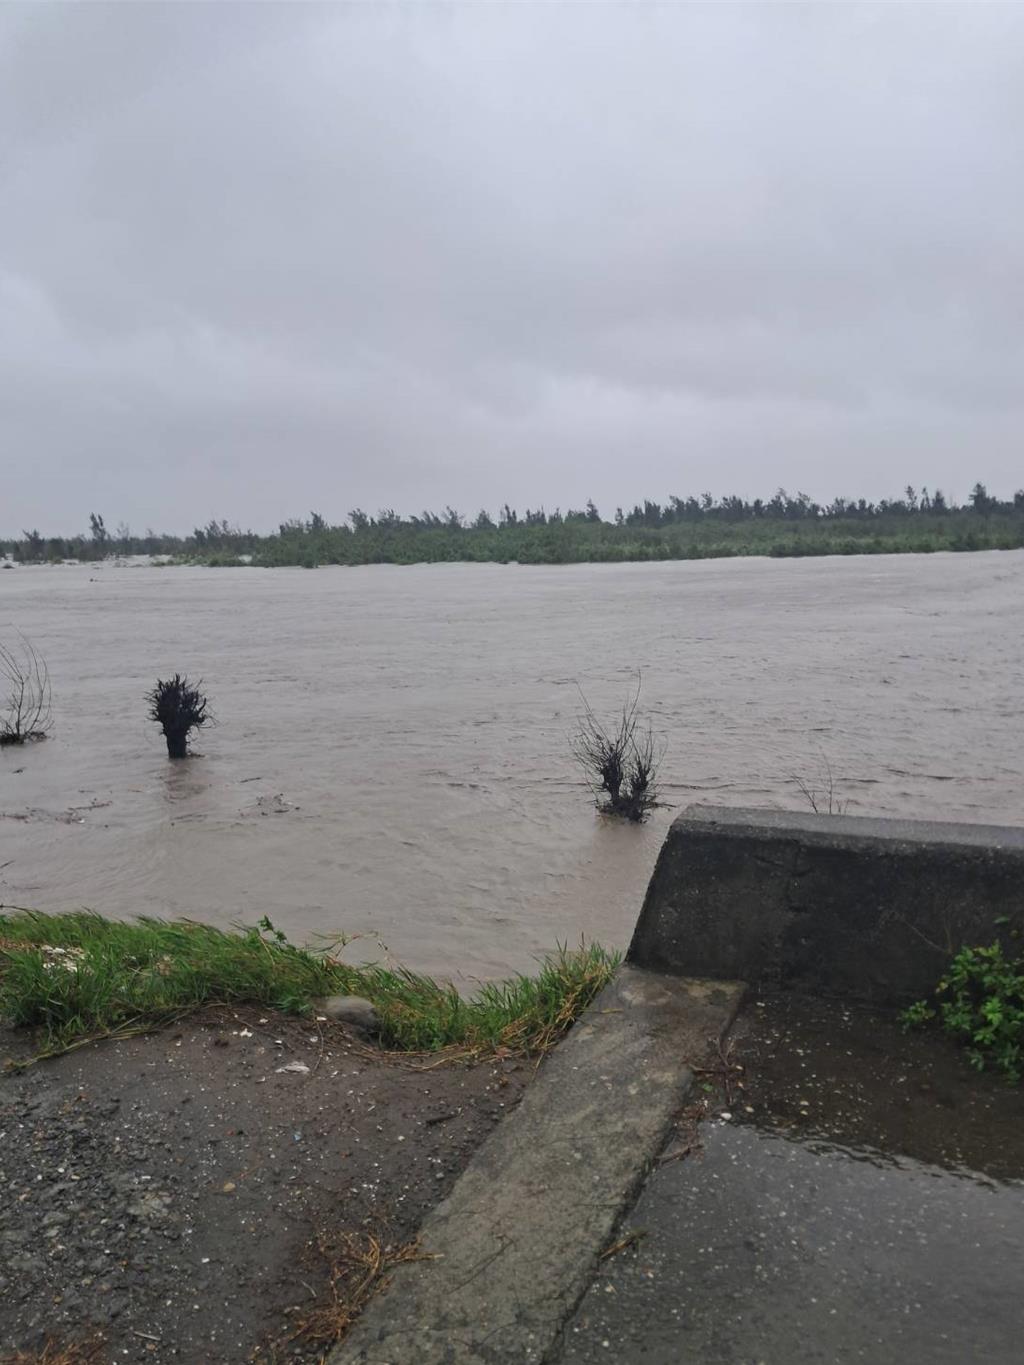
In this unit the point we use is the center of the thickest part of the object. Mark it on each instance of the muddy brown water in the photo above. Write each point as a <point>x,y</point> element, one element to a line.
<point>391,758</point>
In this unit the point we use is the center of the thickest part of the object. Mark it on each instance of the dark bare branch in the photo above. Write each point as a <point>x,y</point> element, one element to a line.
<point>25,679</point>
<point>621,763</point>
<point>821,793</point>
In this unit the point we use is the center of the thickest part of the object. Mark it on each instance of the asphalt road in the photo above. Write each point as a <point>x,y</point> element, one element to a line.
<point>862,1203</point>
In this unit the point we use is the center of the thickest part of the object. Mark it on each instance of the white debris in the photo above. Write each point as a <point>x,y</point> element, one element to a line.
<point>56,958</point>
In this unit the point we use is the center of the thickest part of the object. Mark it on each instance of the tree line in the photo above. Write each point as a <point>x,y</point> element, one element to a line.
<point>99,542</point>
<point>922,520</point>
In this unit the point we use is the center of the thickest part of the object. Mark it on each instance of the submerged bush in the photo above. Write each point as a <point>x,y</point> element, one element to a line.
<point>620,763</point>
<point>178,708</point>
<point>25,679</point>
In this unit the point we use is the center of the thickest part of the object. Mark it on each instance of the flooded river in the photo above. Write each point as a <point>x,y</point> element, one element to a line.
<point>391,756</point>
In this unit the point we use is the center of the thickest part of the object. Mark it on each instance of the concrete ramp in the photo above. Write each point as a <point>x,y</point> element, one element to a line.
<point>828,904</point>
<point>514,1246</point>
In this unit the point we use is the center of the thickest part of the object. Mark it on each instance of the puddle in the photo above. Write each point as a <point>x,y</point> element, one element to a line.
<point>863,1202</point>
<point>849,1078</point>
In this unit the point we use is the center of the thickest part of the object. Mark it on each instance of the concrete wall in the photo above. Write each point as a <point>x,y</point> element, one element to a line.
<point>869,909</point>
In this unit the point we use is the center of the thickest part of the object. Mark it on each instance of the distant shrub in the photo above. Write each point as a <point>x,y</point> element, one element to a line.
<point>224,559</point>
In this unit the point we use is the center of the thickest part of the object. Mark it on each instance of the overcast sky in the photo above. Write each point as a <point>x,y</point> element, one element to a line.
<point>258,259</point>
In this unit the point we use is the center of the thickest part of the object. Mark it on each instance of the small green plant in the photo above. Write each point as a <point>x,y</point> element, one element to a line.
<point>917,1015</point>
<point>981,1002</point>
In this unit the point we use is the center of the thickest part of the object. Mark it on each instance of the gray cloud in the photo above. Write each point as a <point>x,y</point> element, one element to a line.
<point>255,259</point>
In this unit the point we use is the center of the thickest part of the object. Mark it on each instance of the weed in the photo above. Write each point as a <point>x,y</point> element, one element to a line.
<point>981,1002</point>
<point>917,1015</point>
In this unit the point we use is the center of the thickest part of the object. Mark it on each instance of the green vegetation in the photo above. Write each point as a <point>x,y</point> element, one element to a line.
<point>79,977</point>
<point>691,528</point>
<point>217,543</point>
<point>919,522</point>
<point>980,1001</point>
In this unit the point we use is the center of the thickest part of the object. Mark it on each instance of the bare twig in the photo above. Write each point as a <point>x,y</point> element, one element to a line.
<point>26,679</point>
<point>55,1352</point>
<point>823,799</point>
<point>724,1070</point>
<point>676,1154</point>
<point>630,1239</point>
<point>357,1267</point>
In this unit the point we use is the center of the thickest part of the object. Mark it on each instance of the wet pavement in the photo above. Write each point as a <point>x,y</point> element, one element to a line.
<point>862,1202</point>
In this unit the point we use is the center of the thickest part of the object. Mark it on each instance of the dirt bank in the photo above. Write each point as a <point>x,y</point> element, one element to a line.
<point>193,1195</point>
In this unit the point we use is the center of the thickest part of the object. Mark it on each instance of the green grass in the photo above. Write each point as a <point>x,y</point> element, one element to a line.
<point>79,977</point>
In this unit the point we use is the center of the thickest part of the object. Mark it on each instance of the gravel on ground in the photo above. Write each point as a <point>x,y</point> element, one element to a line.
<point>201,1194</point>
